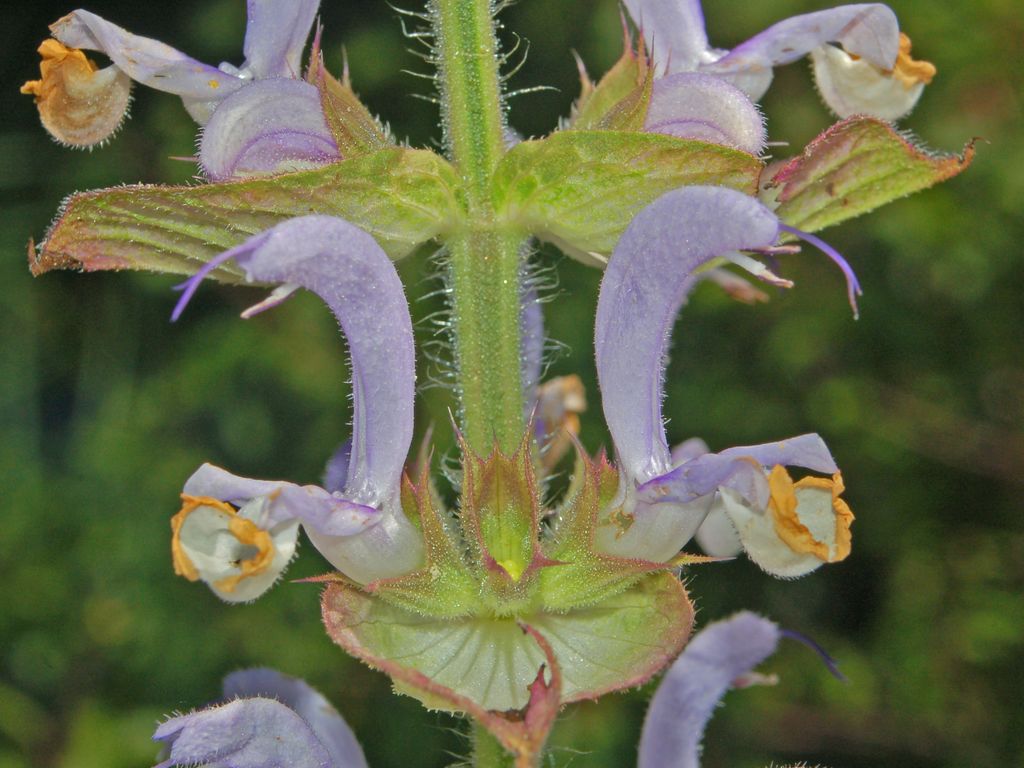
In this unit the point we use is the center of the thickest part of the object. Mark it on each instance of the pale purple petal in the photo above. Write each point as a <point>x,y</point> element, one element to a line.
<point>699,477</point>
<point>531,328</point>
<point>145,60</point>
<point>393,547</point>
<point>246,733</point>
<point>657,529</point>
<point>674,31</point>
<point>696,682</point>
<point>807,451</point>
<point>210,480</point>
<point>717,536</point>
<point>648,277</point>
<point>348,270</point>
<point>705,107</point>
<point>325,722</point>
<point>275,34</point>
<point>742,469</point>
<point>336,471</point>
<point>688,449</point>
<point>868,30</point>
<point>269,126</point>
<point>312,505</point>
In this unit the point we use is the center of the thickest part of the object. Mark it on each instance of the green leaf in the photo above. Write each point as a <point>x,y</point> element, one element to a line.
<point>617,643</point>
<point>854,167</point>
<point>580,189</point>
<point>403,197</point>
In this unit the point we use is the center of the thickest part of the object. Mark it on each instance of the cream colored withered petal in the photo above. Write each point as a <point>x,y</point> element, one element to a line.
<point>79,104</point>
<point>850,85</point>
<point>805,525</point>
<point>230,550</point>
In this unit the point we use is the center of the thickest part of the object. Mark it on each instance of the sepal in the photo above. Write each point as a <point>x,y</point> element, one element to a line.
<point>619,101</point>
<point>500,513</point>
<point>355,130</point>
<point>444,587</point>
<point>587,575</point>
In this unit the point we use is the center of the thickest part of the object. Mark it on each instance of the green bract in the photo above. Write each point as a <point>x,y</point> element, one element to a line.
<point>854,167</point>
<point>580,189</point>
<point>497,568</point>
<point>403,197</point>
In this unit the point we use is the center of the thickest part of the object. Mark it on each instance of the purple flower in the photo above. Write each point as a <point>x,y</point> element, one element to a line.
<point>662,500</point>
<point>871,73</point>
<point>267,720</point>
<point>692,105</point>
<point>359,527</point>
<point>259,117</point>
<point>716,659</point>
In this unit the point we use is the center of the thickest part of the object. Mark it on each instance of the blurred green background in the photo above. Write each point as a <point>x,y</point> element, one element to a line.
<point>106,408</point>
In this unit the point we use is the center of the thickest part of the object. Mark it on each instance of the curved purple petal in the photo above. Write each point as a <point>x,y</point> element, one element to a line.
<point>741,469</point>
<point>867,30</point>
<point>312,505</point>
<point>674,31</point>
<point>345,267</point>
<point>531,328</point>
<point>275,34</point>
<point>702,476</point>
<point>145,60</point>
<point>245,733</point>
<point>688,449</point>
<point>348,270</point>
<point>807,451</point>
<point>705,107</point>
<point>336,471</point>
<point>647,279</point>
<point>323,719</point>
<point>696,682</point>
<point>267,127</point>
<point>210,480</point>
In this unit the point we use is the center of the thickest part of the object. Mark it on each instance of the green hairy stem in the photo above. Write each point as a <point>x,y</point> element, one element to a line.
<point>484,263</point>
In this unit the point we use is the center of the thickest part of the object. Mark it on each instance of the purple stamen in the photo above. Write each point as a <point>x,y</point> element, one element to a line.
<point>829,662</point>
<point>190,286</point>
<point>852,284</point>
